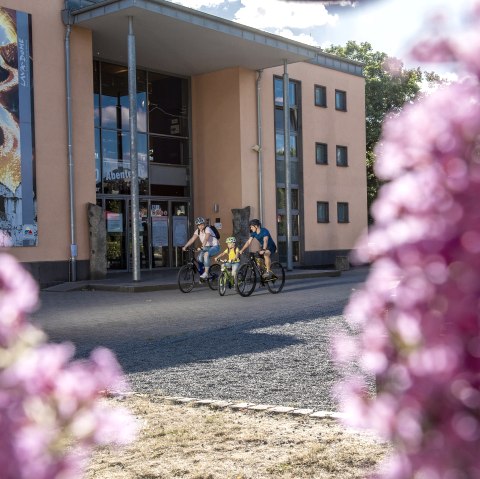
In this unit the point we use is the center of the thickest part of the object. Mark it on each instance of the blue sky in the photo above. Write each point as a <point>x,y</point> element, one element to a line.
<point>389,25</point>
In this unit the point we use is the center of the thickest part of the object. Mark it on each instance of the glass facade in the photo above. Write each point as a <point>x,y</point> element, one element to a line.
<point>163,132</point>
<point>163,147</point>
<point>295,116</point>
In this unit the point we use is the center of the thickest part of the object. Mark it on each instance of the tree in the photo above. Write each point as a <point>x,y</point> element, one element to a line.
<point>388,86</point>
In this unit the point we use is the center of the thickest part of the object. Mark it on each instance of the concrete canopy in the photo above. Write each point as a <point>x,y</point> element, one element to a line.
<point>181,40</point>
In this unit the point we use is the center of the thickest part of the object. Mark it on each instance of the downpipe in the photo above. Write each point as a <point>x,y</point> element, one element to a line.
<point>73,245</point>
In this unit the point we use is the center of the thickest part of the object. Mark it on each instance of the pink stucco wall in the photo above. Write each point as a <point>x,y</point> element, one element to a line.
<point>323,182</point>
<point>226,168</point>
<point>224,129</point>
<point>51,132</point>
<point>223,132</point>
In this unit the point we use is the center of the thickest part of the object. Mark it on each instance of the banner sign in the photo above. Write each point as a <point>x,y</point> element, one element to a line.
<point>18,218</point>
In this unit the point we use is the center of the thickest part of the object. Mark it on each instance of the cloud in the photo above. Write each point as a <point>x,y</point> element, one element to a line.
<point>199,4</point>
<point>302,37</point>
<point>283,15</point>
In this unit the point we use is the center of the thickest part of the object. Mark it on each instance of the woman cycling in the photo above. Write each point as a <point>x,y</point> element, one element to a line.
<point>209,244</point>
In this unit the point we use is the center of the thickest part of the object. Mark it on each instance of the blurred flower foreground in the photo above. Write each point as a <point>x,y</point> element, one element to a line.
<point>51,412</point>
<point>419,311</point>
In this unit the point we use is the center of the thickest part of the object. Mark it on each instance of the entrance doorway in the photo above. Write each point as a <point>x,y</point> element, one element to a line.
<point>163,230</point>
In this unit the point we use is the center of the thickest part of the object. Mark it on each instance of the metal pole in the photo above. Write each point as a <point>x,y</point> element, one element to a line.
<point>73,245</point>
<point>259,144</point>
<point>288,191</point>
<point>132,97</point>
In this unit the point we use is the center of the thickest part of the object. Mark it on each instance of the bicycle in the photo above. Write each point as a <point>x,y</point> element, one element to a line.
<point>186,274</point>
<point>250,272</point>
<point>226,279</point>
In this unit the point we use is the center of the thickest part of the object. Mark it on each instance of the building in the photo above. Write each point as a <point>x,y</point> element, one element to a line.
<point>210,134</point>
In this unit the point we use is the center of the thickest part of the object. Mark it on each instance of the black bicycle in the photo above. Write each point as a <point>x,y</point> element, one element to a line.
<point>250,273</point>
<point>187,274</point>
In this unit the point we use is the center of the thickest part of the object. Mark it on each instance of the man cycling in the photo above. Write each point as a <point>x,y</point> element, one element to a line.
<point>267,245</point>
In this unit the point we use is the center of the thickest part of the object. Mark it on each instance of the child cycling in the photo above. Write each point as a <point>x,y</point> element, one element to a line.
<point>267,245</point>
<point>232,254</point>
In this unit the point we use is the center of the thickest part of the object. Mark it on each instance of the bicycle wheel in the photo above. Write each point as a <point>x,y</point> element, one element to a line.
<point>246,280</point>
<point>186,278</point>
<point>276,282</point>
<point>222,283</point>
<point>213,275</point>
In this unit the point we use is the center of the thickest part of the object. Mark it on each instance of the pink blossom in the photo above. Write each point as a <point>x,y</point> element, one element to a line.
<point>419,310</point>
<point>18,296</point>
<point>52,409</point>
<point>5,239</point>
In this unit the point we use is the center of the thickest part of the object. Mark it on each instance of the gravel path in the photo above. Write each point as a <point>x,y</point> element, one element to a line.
<point>269,349</point>
<point>280,362</point>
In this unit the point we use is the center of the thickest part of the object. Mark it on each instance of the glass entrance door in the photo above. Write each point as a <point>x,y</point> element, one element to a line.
<point>163,230</point>
<point>160,238</point>
<point>115,217</point>
<point>179,231</point>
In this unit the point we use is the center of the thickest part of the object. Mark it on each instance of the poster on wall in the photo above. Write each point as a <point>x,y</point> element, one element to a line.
<point>114,222</point>
<point>160,231</point>
<point>18,217</point>
<point>180,230</point>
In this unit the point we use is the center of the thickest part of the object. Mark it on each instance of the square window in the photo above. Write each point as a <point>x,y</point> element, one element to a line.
<point>321,153</point>
<point>320,96</point>
<point>340,100</point>
<point>342,213</point>
<point>322,212</point>
<point>342,156</point>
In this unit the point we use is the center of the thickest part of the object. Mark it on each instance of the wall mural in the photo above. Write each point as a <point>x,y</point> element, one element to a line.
<point>18,218</point>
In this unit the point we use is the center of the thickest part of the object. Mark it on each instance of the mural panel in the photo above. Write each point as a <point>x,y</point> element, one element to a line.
<point>18,219</point>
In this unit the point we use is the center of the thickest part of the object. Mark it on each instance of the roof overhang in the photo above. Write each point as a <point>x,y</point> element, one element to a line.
<point>183,41</point>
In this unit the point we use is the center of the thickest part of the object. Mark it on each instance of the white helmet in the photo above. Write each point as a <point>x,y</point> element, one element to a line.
<point>200,221</point>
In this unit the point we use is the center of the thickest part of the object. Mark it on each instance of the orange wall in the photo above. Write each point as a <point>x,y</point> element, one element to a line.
<point>51,132</point>
<point>224,129</point>
<point>217,109</point>
<point>248,135</point>
<point>324,182</point>
<point>226,168</point>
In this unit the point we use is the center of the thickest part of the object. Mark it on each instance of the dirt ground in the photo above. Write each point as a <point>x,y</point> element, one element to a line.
<point>184,441</point>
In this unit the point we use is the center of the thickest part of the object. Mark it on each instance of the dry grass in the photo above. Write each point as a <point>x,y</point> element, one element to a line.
<point>182,441</point>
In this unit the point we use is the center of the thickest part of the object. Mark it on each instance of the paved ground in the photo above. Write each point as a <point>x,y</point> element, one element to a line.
<point>272,349</point>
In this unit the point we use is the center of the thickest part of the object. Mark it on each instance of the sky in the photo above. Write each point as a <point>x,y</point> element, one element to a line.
<point>390,26</point>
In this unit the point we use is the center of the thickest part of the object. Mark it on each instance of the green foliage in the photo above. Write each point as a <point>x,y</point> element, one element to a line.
<point>388,86</point>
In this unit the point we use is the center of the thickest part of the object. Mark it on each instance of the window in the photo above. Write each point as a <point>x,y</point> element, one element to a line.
<point>294,118</point>
<point>342,213</point>
<point>114,102</point>
<point>321,153</point>
<point>293,88</point>
<point>342,156</point>
<point>320,96</point>
<point>163,129</point>
<point>167,105</point>
<point>340,100</point>
<point>322,212</point>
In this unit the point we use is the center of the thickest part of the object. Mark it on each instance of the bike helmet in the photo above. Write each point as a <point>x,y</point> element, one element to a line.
<point>200,221</point>
<point>255,223</point>
<point>231,239</point>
